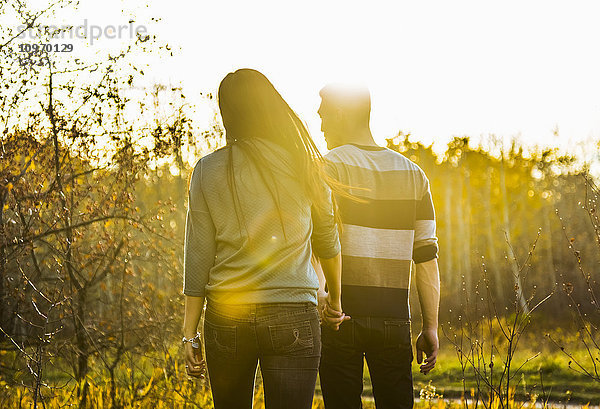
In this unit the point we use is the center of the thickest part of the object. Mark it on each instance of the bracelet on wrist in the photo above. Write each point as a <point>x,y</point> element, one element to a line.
<point>195,340</point>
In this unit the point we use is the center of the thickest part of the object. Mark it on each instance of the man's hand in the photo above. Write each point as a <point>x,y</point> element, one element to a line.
<point>428,343</point>
<point>195,366</point>
<point>332,314</point>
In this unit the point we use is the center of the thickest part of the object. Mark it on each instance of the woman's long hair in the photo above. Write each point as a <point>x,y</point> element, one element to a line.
<point>251,107</point>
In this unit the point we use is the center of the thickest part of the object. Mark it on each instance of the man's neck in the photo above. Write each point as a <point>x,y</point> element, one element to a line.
<point>361,136</point>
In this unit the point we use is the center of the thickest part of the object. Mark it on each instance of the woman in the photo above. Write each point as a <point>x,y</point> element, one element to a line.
<point>257,210</point>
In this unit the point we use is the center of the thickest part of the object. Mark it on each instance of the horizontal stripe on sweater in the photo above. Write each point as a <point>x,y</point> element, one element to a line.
<point>375,272</point>
<point>375,301</point>
<point>362,241</point>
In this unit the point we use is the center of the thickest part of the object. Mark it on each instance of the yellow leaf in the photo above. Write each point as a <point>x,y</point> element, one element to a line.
<point>147,388</point>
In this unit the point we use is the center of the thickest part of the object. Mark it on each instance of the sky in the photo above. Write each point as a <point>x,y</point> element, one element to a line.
<point>436,69</point>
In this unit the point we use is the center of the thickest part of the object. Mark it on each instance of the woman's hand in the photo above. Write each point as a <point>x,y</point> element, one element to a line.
<point>195,365</point>
<point>332,314</point>
<point>321,302</point>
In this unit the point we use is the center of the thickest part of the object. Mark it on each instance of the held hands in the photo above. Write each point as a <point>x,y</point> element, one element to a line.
<point>195,365</point>
<point>331,311</point>
<point>428,343</point>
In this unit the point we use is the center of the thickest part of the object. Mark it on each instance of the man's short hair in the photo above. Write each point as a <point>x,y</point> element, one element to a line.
<point>352,99</point>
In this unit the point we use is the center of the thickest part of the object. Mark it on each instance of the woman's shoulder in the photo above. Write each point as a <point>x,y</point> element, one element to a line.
<point>208,164</point>
<point>214,158</point>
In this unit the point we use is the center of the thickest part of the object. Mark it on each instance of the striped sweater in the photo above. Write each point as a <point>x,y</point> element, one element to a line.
<point>392,226</point>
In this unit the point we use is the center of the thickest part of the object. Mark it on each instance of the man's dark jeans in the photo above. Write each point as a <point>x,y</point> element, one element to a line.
<point>285,338</point>
<point>386,344</point>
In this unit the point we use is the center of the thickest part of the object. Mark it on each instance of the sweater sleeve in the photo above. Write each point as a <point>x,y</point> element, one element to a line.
<point>325,237</point>
<point>200,245</point>
<point>425,246</point>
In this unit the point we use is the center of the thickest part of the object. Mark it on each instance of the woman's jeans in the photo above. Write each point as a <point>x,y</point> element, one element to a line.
<point>284,338</point>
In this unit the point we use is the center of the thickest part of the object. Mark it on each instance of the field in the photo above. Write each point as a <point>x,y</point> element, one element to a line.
<point>159,382</point>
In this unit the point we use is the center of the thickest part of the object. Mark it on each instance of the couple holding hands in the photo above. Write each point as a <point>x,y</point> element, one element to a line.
<point>304,261</point>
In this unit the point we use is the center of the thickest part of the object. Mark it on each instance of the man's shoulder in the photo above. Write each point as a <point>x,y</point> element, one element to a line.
<point>380,159</point>
<point>338,151</point>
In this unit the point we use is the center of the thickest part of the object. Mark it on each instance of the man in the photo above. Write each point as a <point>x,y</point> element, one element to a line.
<point>388,224</point>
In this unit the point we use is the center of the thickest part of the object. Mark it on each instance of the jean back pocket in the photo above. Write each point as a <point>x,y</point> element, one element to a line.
<point>220,340</point>
<point>294,338</point>
<point>397,333</point>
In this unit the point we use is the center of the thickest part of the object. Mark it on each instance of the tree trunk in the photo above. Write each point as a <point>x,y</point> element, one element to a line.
<point>159,195</point>
<point>447,248</point>
<point>180,213</point>
<point>547,232</point>
<point>466,221</point>
<point>492,263</point>
<point>520,298</point>
<point>78,313</point>
<point>463,248</point>
<point>82,350</point>
<point>4,323</point>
